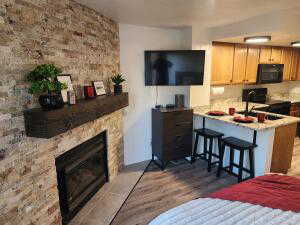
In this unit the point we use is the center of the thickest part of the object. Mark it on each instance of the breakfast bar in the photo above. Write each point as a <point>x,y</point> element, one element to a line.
<point>274,138</point>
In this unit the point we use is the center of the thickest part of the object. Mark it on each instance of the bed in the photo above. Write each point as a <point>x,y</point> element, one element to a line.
<point>270,199</point>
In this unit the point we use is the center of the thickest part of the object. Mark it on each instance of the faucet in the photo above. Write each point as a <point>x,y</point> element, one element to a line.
<point>247,102</point>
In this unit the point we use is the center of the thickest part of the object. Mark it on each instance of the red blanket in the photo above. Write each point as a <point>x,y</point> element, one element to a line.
<point>273,191</point>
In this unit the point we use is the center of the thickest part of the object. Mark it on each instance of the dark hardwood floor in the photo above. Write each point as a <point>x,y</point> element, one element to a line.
<point>158,191</point>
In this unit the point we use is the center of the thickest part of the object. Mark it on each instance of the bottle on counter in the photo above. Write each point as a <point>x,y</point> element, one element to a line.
<point>71,98</point>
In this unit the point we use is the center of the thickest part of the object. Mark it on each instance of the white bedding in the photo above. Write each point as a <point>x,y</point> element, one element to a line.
<point>209,211</point>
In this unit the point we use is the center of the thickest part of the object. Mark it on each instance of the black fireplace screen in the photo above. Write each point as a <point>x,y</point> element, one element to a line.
<point>81,172</point>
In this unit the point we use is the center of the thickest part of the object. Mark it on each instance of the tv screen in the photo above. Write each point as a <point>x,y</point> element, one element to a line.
<point>174,68</point>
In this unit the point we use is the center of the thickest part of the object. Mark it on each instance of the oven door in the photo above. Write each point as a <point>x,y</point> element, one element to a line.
<point>270,73</point>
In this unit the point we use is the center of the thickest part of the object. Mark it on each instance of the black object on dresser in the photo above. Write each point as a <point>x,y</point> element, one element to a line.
<point>172,134</point>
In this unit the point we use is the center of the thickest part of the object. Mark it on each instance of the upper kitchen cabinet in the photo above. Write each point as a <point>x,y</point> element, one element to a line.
<point>239,63</point>
<point>298,71</point>
<point>286,59</point>
<point>269,55</point>
<point>252,64</point>
<point>294,64</point>
<point>222,63</point>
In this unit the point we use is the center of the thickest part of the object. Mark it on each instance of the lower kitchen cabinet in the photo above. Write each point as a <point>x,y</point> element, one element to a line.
<point>283,147</point>
<point>295,111</point>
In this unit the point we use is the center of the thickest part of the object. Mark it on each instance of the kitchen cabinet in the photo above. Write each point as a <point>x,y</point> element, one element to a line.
<point>276,54</point>
<point>298,72</point>
<point>270,55</point>
<point>222,63</point>
<point>294,65</point>
<point>239,63</point>
<point>286,59</point>
<point>265,54</point>
<point>295,110</point>
<point>283,147</point>
<point>252,64</point>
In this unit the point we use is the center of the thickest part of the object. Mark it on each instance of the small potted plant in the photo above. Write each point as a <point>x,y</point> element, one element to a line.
<point>117,80</point>
<point>44,81</point>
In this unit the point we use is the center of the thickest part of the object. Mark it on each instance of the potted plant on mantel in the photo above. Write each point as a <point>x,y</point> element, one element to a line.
<point>44,81</point>
<point>117,80</point>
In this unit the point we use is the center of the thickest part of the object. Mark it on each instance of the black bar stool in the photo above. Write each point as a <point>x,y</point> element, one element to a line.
<point>242,146</point>
<point>207,153</point>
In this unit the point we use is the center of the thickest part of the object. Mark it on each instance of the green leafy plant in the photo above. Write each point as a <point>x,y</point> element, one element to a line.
<point>44,79</point>
<point>118,79</point>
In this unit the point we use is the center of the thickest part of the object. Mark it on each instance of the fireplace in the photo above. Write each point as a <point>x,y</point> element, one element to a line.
<point>81,172</point>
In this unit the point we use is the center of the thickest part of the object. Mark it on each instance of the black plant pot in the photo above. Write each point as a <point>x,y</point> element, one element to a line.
<point>118,89</point>
<point>51,101</point>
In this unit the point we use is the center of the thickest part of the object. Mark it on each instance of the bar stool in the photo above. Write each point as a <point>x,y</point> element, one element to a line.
<point>242,146</point>
<point>207,153</point>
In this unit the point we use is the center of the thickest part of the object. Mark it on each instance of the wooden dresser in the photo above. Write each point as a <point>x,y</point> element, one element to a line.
<point>172,134</point>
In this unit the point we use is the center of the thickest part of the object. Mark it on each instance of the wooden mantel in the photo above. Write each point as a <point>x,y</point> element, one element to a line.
<point>47,124</point>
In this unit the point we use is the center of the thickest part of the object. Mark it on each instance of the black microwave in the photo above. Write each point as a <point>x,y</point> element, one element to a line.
<point>269,73</point>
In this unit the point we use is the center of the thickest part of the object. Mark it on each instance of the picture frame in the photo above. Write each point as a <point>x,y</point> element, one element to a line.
<point>99,88</point>
<point>66,78</point>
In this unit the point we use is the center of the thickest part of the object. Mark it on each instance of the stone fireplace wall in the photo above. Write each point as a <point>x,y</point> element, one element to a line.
<point>84,44</point>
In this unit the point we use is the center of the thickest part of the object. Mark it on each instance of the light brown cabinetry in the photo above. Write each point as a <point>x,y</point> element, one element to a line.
<point>276,54</point>
<point>295,110</point>
<point>283,147</point>
<point>239,64</point>
<point>294,65</point>
<point>270,54</point>
<point>252,64</point>
<point>222,63</point>
<point>286,59</point>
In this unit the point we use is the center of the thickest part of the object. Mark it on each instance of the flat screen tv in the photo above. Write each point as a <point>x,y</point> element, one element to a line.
<point>174,68</point>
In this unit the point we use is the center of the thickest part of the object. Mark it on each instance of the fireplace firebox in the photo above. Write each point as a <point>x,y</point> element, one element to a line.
<point>81,172</point>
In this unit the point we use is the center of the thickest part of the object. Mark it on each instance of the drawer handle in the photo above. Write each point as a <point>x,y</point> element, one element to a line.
<point>183,123</point>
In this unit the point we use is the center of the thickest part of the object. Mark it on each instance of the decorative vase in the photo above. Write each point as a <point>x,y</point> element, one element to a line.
<point>51,101</point>
<point>118,89</point>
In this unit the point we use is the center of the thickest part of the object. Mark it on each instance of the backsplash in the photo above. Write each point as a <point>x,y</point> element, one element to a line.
<point>284,89</point>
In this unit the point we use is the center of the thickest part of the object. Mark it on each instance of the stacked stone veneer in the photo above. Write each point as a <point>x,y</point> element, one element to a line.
<point>84,44</point>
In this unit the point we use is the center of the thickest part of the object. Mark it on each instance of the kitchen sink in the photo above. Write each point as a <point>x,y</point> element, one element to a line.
<point>268,117</point>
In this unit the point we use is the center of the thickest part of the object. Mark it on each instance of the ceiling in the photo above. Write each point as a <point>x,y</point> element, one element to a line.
<point>185,13</point>
<point>180,13</point>
<point>278,38</point>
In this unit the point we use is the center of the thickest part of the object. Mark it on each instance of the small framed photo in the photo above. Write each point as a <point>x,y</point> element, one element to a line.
<point>67,80</point>
<point>99,88</point>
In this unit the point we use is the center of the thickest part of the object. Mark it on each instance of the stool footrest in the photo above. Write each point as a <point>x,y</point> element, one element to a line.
<point>227,170</point>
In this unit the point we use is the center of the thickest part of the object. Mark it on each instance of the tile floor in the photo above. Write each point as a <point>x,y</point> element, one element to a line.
<point>104,205</point>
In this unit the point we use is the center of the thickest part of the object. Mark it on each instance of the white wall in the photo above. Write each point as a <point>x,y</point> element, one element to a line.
<point>134,40</point>
<point>200,95</point>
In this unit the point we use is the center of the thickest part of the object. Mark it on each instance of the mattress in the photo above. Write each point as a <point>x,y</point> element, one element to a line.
<point>270,199</point>
<point>210,211</point>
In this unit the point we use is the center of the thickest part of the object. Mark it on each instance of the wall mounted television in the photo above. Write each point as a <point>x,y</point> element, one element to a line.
<point>174,68</point>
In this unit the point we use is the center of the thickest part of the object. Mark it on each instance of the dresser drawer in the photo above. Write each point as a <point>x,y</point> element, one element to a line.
<point>179,128</point>
<point>174,151</point>
<point>178,139</point>
<point>177,117</point>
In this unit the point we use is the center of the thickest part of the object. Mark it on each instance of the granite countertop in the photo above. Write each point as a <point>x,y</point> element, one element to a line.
<point>240,106</point>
